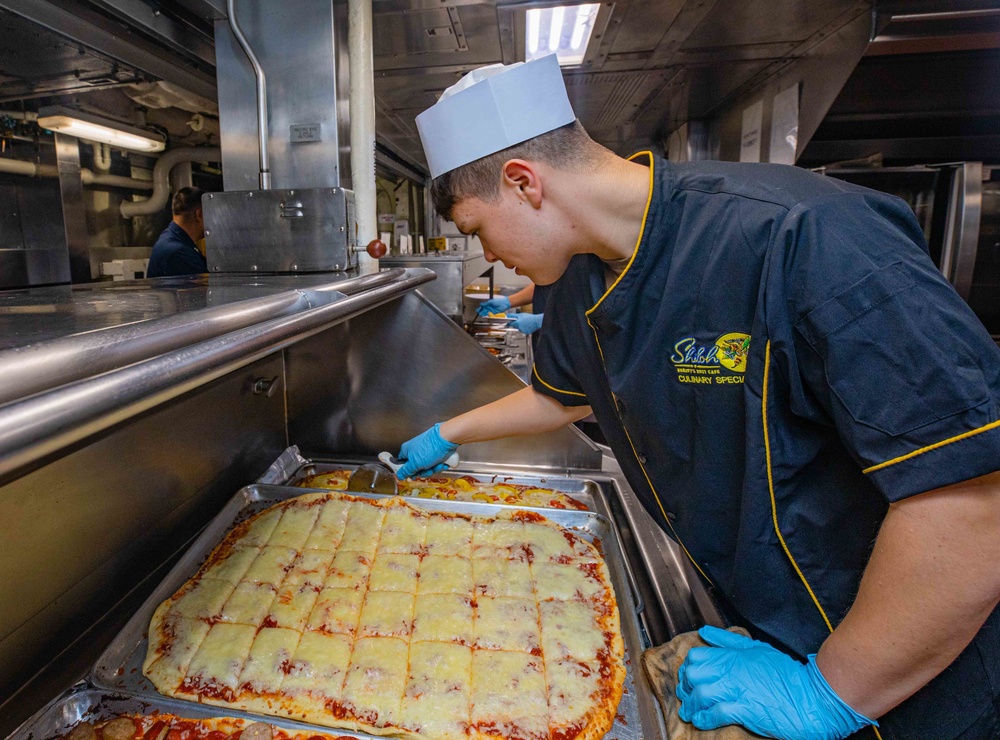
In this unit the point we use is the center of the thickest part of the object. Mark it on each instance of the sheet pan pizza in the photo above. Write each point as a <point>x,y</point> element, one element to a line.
<point>460,488</point>
<point>162,726</point>
<point>378,616</point>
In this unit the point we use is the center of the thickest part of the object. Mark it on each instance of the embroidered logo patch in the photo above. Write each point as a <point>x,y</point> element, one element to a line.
<point>720,363</point>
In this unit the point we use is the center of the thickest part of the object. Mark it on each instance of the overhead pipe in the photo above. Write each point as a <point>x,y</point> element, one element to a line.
<point>362,101</point>
<point>161,178</point>
<point>33,169</point>
<point>258,71</point>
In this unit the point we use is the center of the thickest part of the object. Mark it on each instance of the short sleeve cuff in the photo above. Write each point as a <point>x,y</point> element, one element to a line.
<point>964,456</point>
<point>567,397</point>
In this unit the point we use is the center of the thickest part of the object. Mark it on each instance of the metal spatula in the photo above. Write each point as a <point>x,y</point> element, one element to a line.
<point>373,478</point>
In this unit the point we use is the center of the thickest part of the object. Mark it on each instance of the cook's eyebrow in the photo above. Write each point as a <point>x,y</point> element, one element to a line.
<point>461,231</point>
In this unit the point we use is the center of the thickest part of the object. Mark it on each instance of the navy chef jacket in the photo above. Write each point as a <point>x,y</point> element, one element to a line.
<point>175,253</point>
<point>779,361</point>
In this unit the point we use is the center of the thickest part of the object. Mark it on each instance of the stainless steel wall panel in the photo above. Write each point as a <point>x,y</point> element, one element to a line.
<point>82,268</point>
<point>382,377</point>
<point>81,530</point>
<point>294,230</point>
<point>303,54</point>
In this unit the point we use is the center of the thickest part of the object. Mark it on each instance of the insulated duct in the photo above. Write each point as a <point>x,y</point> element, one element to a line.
<point>31,169</point>
<point>161,178</point>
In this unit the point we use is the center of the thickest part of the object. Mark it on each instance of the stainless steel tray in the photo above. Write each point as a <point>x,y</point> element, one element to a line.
<point>291,468</point>
<point>86,703</point>
<point>120,666</point>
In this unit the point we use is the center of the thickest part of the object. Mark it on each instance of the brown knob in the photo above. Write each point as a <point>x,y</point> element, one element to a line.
<point>377,249</point>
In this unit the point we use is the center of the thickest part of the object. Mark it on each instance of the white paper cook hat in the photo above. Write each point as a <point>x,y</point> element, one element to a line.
<point>492,108</point>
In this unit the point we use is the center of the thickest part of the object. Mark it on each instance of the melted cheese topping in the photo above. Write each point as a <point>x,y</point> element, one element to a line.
<point>374,615</point>
<point>403,531</point>
<point>443,617</point>
<point>394,572</point>
<point>387,614</point>
<point>329,529</point>
<point>506,624</point>
<point>445,575</point>
<point>336,610</point>
<point>377,678</point>
<point>248,604</point>
<point>502,578</point>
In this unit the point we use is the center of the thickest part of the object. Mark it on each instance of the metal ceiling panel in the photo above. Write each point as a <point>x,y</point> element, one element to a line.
<point>35,61</point>
<point>419,40</point>
<point>748,23</point>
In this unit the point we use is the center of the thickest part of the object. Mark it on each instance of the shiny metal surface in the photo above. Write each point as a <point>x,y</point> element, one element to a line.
<point>43,425</point>
<point>455,270</point>
<point>260,82</point>
<point>82,530</point>
<point>961,242</point>
<point>42,314</point>
<point>293,230</point>
<point>360,388</point>
<point>85,703</point>
<point>82,268</point>
<point>120,667</point>
<point>39,367</point>
<point>304,56</point>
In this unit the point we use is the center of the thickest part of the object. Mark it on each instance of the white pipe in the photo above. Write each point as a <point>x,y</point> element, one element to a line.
<point>161,174</point>
<point>102,157</point>
<point>114,181</point>
<point>18,115</point>
<point>31,169</point>
<point>359,44</point>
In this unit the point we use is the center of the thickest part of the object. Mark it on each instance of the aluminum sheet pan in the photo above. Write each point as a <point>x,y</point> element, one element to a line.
<point>291,468</point>
<point>120,666</point>
<point>84,703</point>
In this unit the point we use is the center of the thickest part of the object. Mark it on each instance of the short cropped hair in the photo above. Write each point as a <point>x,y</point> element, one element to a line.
<point>186,200</point>
<point>566,147</point>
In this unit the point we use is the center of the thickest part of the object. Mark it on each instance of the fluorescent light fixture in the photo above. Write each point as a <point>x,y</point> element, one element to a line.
<point>94,128</point>
<point>563,29</point>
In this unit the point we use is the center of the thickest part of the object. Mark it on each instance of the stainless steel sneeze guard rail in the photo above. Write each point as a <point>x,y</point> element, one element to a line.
<point>39,426</point>
<point>47,365</point>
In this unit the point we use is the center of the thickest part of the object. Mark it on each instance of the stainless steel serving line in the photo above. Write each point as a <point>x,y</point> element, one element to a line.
<point>147,408</point>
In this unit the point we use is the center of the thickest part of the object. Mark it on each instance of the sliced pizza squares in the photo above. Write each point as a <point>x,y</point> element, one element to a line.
<point>375,615</point>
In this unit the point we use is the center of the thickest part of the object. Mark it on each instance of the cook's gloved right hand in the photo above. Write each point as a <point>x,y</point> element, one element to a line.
<point>494,305</point>
<point>425,454</point>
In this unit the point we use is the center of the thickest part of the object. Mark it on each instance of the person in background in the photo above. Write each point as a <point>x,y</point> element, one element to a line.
<point>526,323</point>
<point>794,391</point>
<point>176,251</point>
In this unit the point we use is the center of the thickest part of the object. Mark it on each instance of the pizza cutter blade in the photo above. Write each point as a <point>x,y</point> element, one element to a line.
<point>373,478</point>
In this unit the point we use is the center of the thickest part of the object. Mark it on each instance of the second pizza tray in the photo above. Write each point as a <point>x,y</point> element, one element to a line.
<point>120,666</point>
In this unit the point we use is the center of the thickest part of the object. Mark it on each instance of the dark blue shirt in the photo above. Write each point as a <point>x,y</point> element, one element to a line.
<point>175,254</point>
<point>780,361</point>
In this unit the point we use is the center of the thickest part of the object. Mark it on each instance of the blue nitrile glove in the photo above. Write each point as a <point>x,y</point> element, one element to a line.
<point>526,323</point>
<point>424,454</point>
<point>494,305</point>
<point>740,681</point>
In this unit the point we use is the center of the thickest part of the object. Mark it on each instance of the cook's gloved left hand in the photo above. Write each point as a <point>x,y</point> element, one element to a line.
<point>740,681</point>
<point>526,323</point>
<point>494,305</point>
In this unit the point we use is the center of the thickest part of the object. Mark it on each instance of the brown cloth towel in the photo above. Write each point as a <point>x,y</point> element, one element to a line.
<point>661,664</point>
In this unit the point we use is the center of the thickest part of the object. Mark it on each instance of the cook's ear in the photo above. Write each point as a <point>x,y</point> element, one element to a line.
<point>524,178</point>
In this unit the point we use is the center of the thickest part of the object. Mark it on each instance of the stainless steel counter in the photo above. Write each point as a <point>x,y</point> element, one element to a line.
<point>40,314</point>
<point>454,271</point>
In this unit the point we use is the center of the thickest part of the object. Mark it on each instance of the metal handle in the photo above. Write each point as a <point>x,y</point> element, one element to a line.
<point>265,386</point>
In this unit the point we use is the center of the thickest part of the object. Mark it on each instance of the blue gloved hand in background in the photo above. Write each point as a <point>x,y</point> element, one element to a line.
<point>740,681</point>
<point>494,305</point>
<point>425,453</point>
<point>526,323</point>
